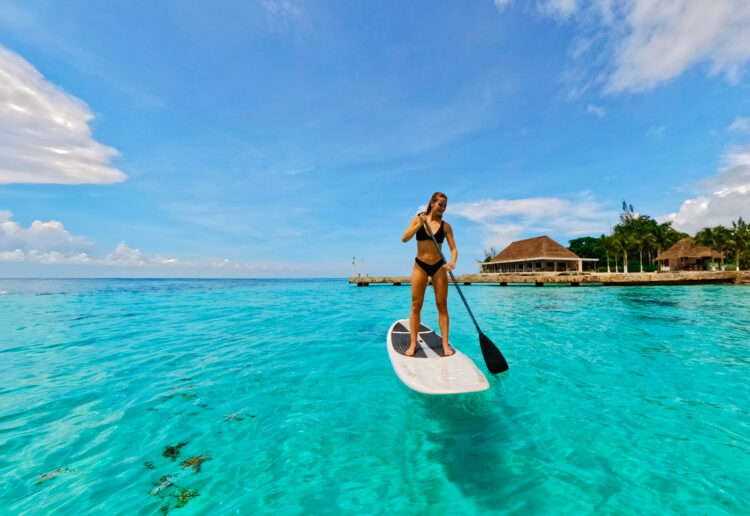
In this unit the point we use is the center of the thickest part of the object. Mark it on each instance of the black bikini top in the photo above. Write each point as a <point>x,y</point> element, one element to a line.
<point>439,235</point>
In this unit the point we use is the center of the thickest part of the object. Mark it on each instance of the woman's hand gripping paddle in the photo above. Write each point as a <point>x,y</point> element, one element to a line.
<point>492,357</point>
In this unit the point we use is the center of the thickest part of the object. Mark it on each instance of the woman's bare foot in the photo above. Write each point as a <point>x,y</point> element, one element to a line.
<point>447,351</point>
<point>411,350</point>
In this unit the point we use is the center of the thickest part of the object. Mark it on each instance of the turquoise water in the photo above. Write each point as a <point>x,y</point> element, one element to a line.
<point>629,400</point>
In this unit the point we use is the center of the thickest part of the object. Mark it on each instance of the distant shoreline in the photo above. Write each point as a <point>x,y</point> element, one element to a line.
<point>581,278</point>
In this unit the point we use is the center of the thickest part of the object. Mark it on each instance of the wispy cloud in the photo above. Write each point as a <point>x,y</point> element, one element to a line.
<point>283,14</point>
<point>44,132</point>
<point>596,110</point>
<point>740,125</point>
<point>501,5</point>
<point>646,43</point>
<point>666,38</point>
<point>505,220</point>
<point>655,131</point>
<point>282,8</point>
<point>561,9</point>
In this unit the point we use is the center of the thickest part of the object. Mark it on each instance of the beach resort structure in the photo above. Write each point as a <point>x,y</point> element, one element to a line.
<point>542,261</point>
<point>539,254</point>
<point>686,255</point>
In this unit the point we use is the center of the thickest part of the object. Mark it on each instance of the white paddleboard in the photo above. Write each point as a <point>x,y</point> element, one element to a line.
<point>429,371</point>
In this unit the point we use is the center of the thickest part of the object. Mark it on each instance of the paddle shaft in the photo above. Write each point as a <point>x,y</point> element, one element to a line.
<point>429,232</point>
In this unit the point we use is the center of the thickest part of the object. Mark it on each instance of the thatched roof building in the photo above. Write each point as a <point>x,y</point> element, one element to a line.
<point>540,254</point>
<point>686,255</point>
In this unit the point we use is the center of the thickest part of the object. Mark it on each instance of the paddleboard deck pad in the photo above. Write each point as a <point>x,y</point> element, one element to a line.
<point>429,371</point>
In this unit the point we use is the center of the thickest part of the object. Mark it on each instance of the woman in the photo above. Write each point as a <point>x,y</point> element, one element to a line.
<point>429,263</point>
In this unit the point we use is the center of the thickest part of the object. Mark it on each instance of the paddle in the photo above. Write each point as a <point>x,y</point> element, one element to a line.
<point>492,357</point>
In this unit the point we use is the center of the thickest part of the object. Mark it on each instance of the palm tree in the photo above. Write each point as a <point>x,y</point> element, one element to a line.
<point>640,227</point>
<point>740,239</point>
<point>722,240</point>
<point>611,246</point>
<point>707,237</point>
<point>626,240</point>
<point>665,236</point>
<point>608,246</point>
<point>489,254</point>
<point>625,232</point>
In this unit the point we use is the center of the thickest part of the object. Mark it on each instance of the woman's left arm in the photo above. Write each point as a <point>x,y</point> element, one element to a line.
<point>452,244</point>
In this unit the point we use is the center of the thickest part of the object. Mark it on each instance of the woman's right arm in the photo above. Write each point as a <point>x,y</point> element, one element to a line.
<point>414,226</point>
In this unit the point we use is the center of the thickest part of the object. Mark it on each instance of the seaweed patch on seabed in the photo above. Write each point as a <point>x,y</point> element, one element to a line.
<point>236,416</point>
<point>181,494</point>
<point>172,452</point>
<point>185,495</point>
<point>50,474</point>
<point>173,495</point>
<point>184,396</point>
<point>195,462</point>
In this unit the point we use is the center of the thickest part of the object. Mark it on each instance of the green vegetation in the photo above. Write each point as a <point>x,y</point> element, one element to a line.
<point>489,254</point>
<point>637,239</point>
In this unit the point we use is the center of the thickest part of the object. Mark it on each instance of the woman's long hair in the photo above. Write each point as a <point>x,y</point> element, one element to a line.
<point>435,197</point>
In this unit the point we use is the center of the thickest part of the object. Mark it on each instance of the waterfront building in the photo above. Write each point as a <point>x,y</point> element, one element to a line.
<point>686,255</point>
<point>539,254</point>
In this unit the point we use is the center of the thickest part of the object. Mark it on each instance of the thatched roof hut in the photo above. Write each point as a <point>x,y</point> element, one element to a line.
<point>539,247</point>
<point>535,255</point>
<point>686,254</point>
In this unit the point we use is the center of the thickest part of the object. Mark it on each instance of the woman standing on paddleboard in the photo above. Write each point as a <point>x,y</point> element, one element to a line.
<point>429,263</point>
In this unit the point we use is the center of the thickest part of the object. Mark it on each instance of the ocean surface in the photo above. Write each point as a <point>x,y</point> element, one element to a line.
<point>278,397</point>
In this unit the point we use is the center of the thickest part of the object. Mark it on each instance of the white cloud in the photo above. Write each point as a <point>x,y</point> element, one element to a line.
<point>124,255</point>
<point>284,14</point>
<point>555,8</point>
<point>596,110</point>
<point>740,125</point>
<point>44,132</point>
<point>558,8</point>
<point>39,237</point>
<point>505,220</point>
<point>284,8</point>
<point>725,197</point>
<point>655,131</point>
<point>49,243</point>
<point>500,5</point>
<point>54,257</point>
<point>666,38</point>
<point>644,43</point>
<point>12,256</point>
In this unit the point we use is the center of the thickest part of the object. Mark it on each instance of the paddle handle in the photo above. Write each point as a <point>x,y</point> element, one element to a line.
<point>466,304</point>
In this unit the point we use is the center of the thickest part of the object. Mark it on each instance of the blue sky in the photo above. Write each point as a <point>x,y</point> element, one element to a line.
<point>281,138</point>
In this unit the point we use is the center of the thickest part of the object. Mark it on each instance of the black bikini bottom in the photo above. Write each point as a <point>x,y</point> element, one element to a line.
<point>430,268</point>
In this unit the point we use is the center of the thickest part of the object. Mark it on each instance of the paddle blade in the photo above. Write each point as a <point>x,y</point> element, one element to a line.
<point>492,357</point>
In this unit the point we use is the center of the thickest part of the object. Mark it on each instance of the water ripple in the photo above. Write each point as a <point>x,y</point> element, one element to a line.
<point>618,401</point>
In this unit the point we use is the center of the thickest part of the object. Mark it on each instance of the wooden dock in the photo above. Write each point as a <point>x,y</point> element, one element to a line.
<point>576,279</point>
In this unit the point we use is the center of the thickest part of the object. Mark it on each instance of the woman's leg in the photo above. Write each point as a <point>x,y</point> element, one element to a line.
<point>440,284</point>
<point>418,286</point>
